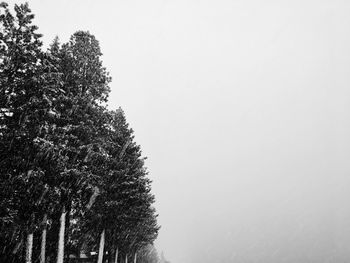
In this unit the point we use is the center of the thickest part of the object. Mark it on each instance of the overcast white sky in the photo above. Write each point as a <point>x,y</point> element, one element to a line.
<point>243,109</point>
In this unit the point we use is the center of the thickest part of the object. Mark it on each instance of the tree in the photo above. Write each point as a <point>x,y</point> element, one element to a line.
<point>148,254</point>
<point>70,169</point>
<point>123,209</point>
<point>79,116</point>
<point>163,259</point>
<point>26,81</point>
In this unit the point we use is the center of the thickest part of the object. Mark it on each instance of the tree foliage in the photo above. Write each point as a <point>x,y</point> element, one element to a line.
<point>61,148</point>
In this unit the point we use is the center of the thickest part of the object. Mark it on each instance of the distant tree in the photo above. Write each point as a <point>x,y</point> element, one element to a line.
<point>123,206</point>
<point>130,199</point>
<point>148,254</point>
<point>163,259</point>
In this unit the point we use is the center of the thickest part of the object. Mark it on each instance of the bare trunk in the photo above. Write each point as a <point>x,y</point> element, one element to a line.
<point>101,248</point>
<point>29,248</point>
<point>126,258</point>
<point>135,257</point>
<point>116,256</point>
<point>43,240</point>
<point>67,226</point>
<point>60,252</point>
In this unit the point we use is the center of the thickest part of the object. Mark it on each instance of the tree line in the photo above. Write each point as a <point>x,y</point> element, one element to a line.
<point>72,177</point>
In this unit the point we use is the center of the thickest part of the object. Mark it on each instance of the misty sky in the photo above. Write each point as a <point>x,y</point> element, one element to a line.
<point>243,109</point>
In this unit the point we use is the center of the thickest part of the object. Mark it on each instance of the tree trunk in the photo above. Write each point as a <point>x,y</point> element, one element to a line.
<point>43,240</point>
<point>68,208</point>
<point>101,248</point>
<point>116,256</point>
<point>29,247</point>
<point>60,252</point>
<point>126,258</point>
<point>135,257</point>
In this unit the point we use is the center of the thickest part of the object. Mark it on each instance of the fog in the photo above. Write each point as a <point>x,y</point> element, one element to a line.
<point>243,109</point>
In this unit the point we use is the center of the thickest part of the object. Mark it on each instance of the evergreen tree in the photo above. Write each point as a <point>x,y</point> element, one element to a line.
<point>27,88</point>
<point>147,254</point>
<point>79,116</point>
<point>124,205</point>
<point>70,169</point>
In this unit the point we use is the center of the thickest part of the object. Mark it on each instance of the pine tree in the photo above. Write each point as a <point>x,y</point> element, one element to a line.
<point>76,161</point>
<point>79,118</point>
<point>27,87</point>
<point>124,205</point>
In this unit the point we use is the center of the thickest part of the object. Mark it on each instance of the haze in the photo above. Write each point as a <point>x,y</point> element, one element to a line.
<point>243,109</point>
